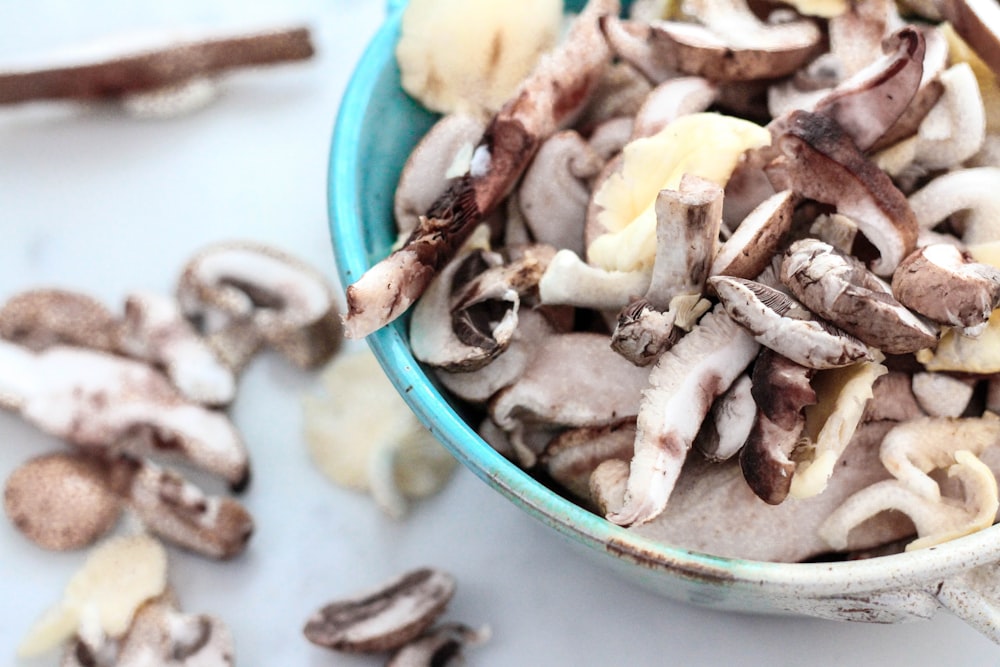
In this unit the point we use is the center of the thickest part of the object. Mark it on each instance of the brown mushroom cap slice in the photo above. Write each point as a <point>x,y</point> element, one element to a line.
<point>779,322</point>
<point>41,318</point>
<point>822,162</point>
<point>752,246</point>
<point>978,22</point>
<point>385,618</point>
<point>636,43</point>
<point>942,283</point>
<point>670,100</point>
<point>441,645</point>
<point>61,501</point>
<point>838,288</point>
<point>893,399</point>
<point>728,423</point>
<point>574,454</point>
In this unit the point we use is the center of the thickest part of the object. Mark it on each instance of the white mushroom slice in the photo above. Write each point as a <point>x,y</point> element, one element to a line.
<point>757,238</point>
<point>915,448</point>
<point>942,283</point>
<point>154,329</point>
<point>431,163</point>
<point>728,424</point>
<point>670,100</point>
<point>573,455</point>
<point>937,519</point>
<point>965,189</point>
<point>361,429</point>
<point>568,280</point>
<point>836,230</point>
<point>636,43</point>
<point>892,399</point>
<point>441,645</point>
<point>942,395</point>
<point>838,288</point>
<point>607,141</point>
<point>978,22</point>
<point>619,93</point>
<point>643,333</point>
<point>41,318</point>
<point>842,395</point>
<point>162,635</point>
<point>957,351</point>
<point>103,593</point>
<point>954,129</point>
<point>105,403</point>
<point>682,386</point>
<point>779,322</point>
<point>553,194</point>
<point>385,618</point>
<point>687,233</point>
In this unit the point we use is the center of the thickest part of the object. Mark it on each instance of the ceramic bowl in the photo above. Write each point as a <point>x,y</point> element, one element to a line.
<point>377,127</point>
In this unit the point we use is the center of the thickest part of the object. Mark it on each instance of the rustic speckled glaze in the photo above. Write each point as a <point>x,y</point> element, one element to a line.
<point>376,129</point>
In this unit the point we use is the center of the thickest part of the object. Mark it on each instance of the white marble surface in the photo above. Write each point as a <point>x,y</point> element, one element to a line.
<point>95,200</point>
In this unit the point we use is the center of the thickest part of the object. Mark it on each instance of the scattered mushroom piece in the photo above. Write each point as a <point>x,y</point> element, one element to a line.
<point>942,395</point>
<point>838,288</point>
<point>682,386</point>
<point>247,294</point>
<point>728,424</point>
<point>41,318</point>
<point>440,645</point>
<point>163,635</point>
<point>620,92</point>
<point>755,241</point>
<point>954,129</point>
<point>154,329</point>
<point>61,501</point>
<point>779,322</point>
<point>636,43</point>
<point>385,618</point>
<point>574,454</point>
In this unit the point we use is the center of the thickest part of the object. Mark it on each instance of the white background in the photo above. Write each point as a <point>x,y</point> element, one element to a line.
<point>96,200</point>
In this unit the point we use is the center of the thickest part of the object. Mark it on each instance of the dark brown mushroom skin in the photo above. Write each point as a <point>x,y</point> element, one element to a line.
<point>41,318</point>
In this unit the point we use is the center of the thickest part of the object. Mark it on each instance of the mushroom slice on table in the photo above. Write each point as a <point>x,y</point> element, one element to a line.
<point>820,161</point>
<point>41,318</point>
<point>246,295</point>
<point>556,90</point>
<point>752,246</point>
<point>685,381</point>
<point>106,404</point>
<point>163,635</point>
<point>838,288</point>
<point>441,645</point>
<point>777,321</point>
<point>728,423</point>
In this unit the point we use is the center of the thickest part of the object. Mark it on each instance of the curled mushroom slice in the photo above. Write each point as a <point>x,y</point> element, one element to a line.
<point>154,329</point>
<point>838,288</point>
<point>752,246</point>
<point>728,424</point>
<point>945,285</point>
<point>682,386</point>
<point>670,100</point>
<point>385,618</point>
<point>962,190</point>
<point>163,635</point>
<point>246,295</point>
<point>779,322</point>
<point>41,318</point>
<point>61,501</point>
<point>573,455</point>
<point>107,404</point>
<point>440,645</point>
<point>820,161</point>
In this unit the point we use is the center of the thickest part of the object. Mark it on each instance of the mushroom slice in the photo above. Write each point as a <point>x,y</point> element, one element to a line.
<point>385,618</point>
<point>838,288</point>
<point>821,162</point>
<point>163,635</point>
<point>728,424</point>
<point>964,189</point>
<point>957,351</point>
<point>441,645</point>
<point>247,294</point>
<point>41,318</point>
<point>945,285</point>
<point>942,395</point>
<point>619,94</point>
<point>155,330</point>
<point>682,386</point>
<point>636,43</point>
<point>568,280</point>
<point>777,321</point>
<point>556,90</point>
<point>670,100</point>
<point>108,404</point>
<point>978,22</point>
<point>892,399</point>
<point>937,520</point>
<point>643,333</point>
<point>553,194</point>
<point>574,454</point>
<point>102,597</point>
<point>61,501</point>
<point>751,247</point>
<point>781,391</point>
<point>954,129</point>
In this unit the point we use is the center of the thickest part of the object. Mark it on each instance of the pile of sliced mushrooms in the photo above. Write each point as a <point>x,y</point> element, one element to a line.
<point>724,271</point>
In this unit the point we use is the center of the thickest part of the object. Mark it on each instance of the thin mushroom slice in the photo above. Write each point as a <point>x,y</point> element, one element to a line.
<point>572,456</point>
<point>893,399</point>
<point>777,321</point>
<point>728,424</point>
<point>41,318</point>
<point>643,333</point>
<point>557,89</point>
<point>670,100</point>
<point>441,645</point>
<point>942,395</point>
<point>385,618</point>
<point>838,288</point>
<point>970,190</point>
<point>945,285</point>
<point>682,386</point>
<point>978,22</point>
<point>569,280</point>
<point>162,634</point>
<point>751,247</point>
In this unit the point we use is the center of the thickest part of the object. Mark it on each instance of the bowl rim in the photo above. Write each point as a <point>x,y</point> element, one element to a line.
<point>389,344</point>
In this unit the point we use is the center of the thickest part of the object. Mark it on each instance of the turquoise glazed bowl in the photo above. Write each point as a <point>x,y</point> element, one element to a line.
<point>377,127</point>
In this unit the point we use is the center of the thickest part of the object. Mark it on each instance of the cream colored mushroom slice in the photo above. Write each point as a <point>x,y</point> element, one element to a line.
<point>61,501</point>
<point>728,423</point>
<point>968,190</point>
<point>942,395</point>
<point>937,520</point>
<point>107,404</point>
<point>444,152</point>
<point>441,645</point>
<point>41,318</point>
<point>978,22</point>
<point>751,247</point>
<point>836,230</point>
<point>893,399</point>
<point>572,456</point>
<point>954,129</point>
<point>102,598</point>
<point>820,161</point>
<point>246,295</point>
<point>554,191</point>
<point>959,352</point>
<point>670,100</point>
<point>682,387</point>
<point>155,330</point>
<point>607,141</point>
<point>161,634</point>
<point>837,287</point>
<point>619,93</point>
<point>568,280</point>
<point>779,322</point>
<point>942,283</point>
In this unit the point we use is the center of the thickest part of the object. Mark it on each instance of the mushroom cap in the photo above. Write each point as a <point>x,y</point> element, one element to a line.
<point>41,318</point>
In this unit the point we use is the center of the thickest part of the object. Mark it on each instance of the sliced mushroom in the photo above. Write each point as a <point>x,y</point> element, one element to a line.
<point>636,43</point>
<point>441,645</point>
<point>942,395</point>
<point>682,386</point>
<point>246,295</point>
<point>568,280</point>
<point>838,288</point>
<point>670,100</point>
<point>573,455</point>
<point>61,501</point>
<point>893,399</point>
<point>954,129</point>
<point>41,318</point>
<point>779,322</point>
<point>163,635</point>
<point>965,189</point>
<point>385,618</point>
<point>751,247</point>
<point>643,333</point>
<point>728,424</point>
<point>619,93</point>
<point>978,22</point>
